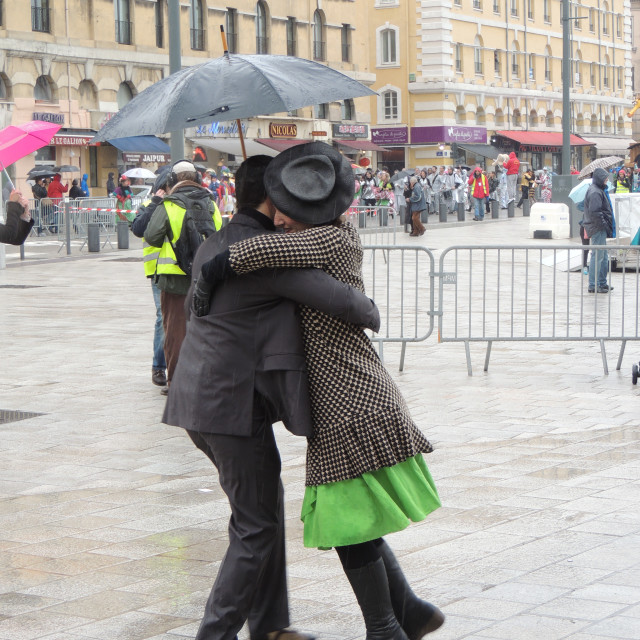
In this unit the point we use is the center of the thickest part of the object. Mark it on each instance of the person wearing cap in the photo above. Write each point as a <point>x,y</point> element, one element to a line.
<point>241,369</point>
<point>178,237</point>
<point>365,475</point>
<point>150,263</point>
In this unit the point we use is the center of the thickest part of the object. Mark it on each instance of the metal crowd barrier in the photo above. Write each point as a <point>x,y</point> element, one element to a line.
<point>402,282</point>
<point>529,293</point>
<point>376,225</point>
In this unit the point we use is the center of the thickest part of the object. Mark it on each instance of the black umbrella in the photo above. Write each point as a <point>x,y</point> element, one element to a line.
<point>401,175</point>
<point>66,168</point>
<point>40,172</point>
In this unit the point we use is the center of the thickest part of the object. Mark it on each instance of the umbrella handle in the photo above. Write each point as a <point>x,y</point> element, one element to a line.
<point>13,186</point>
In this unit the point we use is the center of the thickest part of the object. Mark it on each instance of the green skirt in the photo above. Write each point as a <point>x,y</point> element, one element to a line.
<point>365,508</point>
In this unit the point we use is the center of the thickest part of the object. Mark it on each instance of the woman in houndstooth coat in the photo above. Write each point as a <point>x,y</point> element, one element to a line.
<point>366,476</point>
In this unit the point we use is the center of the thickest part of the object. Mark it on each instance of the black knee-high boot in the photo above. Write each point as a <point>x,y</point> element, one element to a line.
<point>417,617</point>
<point>371,587</point>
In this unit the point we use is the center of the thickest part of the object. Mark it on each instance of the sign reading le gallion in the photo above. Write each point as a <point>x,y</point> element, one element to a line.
<point>277,130</point>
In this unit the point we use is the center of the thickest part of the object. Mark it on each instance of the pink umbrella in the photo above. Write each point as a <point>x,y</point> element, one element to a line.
<point>17,141</point>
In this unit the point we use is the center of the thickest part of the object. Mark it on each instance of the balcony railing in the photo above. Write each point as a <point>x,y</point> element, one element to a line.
<point>197,39</point>
<point>346,52</point>
<point>232,41</point>
<point>262,44</point>
<point>319,50</point>
<point>124,32</point>
<point>40,19</point>
<point>291,47</point>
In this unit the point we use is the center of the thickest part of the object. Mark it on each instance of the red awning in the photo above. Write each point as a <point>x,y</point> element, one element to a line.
<point>280,144</point>
<point>543,138</point>
<point>360,145</point>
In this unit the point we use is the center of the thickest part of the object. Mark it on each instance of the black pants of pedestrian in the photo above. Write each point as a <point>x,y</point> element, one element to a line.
<point>585,242</point>
<point>523,196</point>
<point>251,583</point>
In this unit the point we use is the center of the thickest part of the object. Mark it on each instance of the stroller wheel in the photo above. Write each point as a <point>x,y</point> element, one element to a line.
<point>634,374</point>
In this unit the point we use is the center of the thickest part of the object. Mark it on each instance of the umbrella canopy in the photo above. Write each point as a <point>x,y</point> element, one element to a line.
<point>40,172</point>
<point>401,175</point>
<point>229,88</point>
<point>139,172</point>
<point>17,141</point>
<point>66,168</point>
<point>578,192</point>
<point>600,163</point>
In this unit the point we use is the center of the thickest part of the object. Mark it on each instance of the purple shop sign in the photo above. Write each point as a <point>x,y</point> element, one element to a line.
<point>391,135</point>
<point>453,133</point>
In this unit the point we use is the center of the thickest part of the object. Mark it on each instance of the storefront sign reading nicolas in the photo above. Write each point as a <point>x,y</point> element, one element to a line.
<point>279,130</point>
<point>448,134</point>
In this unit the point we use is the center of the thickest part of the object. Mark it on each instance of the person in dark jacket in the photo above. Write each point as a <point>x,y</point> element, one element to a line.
<point>598,225</point>
<point>150,258</point>
<point>111,185</point>
<point>18,220</point>
<point>76,191</point>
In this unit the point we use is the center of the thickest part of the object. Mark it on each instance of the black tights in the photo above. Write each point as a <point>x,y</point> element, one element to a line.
<point>355,556</point>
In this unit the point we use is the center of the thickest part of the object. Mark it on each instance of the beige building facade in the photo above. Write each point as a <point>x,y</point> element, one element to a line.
<point>454,75</point>
<point>76,62</point>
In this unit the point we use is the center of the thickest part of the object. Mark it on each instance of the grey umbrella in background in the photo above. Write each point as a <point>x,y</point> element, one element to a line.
<point>600,163</point>
<point>231,87</point>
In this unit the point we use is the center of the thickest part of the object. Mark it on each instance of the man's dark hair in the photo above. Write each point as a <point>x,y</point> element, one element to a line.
<point>250,189</point>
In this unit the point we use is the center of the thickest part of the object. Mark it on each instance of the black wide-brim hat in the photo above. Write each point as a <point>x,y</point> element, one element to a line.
<point>311,183</point>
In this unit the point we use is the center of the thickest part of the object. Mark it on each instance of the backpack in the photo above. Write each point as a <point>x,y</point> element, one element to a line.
<point>197,226</point>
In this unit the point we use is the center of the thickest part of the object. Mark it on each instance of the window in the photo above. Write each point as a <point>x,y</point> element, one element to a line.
<point>124,28</point>
<point>530,9</point>
<point>548,65</point>
<point>262,40</point>
<point>124,95</point>
<point>390,105</point>
<point>619,26</point>
<point>619,76</point>
<point>291,36</point>
<point>5,93</point>
<point>477,4</point>
<point>388,45</point>
<point>231,24</point>
<point>497,64</point>
<point>345,41</point>
<point>592,74</point>
<point>196,22</point>
<point>319,45</point>
<point>578,68</point>
<point>496,6</point>
<point>605,71</point>
<point>477,56</point>
<point>532,67</point>
<point>514,8</point>
<point>43,91</point>
<point>40,16</point>
<point>547,11</point>
<point>458,58</point>
<point>533,119</point>
<point>348,110</point>
<point>515,67</point>
<point>548,119</point>
<point>577,24</point>
<point>159,24</point>
<point>321,111</point>
<point>605,19</point>
<point>592,21</point>
<point>517,119</point>
<point>458,3</point>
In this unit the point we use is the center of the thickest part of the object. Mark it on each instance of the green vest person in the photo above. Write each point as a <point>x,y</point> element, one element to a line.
<point>178,226</point>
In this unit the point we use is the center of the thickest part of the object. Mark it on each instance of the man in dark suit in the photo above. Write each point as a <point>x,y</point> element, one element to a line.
<point>242,368</point>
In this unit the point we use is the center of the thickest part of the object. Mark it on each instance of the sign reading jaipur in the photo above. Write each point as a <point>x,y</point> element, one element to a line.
<point>279,130</point>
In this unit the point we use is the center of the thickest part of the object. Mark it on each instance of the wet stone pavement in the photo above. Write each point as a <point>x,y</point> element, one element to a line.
<point>112,525</point>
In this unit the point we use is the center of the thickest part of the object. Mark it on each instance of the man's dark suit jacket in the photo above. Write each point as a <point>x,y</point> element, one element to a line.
<point>251,341</point>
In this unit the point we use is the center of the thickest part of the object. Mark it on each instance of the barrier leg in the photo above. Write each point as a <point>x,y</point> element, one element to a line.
<point>495,209</point>
<point>443,211</point>
<point>604,358</point>
<point>526,208</point>
<point>404,348</point>
<point>461,212</point>
<point>622,346</point>
<point>468,352</point>
<point>93,237</point>
<point>122,230</point>
<point>511,209</point>
<point>486,358</point>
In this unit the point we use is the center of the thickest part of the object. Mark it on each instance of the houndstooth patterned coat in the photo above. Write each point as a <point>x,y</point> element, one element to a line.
<point>361,421</point>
